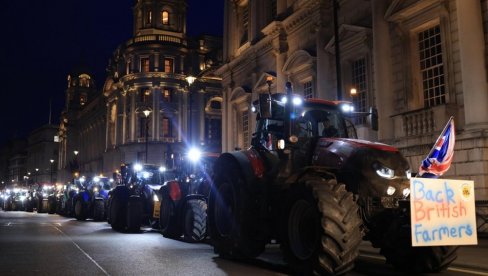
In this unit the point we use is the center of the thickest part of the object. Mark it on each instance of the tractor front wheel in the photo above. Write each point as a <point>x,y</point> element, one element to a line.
<point>134,214</point>
<point>98,210</point>
<point>399,252</point>
<point>167,218</point>
<point>322,228</point>
<point>80,209</point>
<point>195,223</point>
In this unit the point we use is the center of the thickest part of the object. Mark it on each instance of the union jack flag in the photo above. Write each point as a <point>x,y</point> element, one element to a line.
<point>440,157</point>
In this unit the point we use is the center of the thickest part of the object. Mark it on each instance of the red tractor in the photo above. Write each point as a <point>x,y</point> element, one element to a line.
<point>309,184</point>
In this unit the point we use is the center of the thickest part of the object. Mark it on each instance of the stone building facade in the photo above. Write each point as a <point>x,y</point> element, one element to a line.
<point>170,76</point>
<point>160,97</point>
<point>419,62</point>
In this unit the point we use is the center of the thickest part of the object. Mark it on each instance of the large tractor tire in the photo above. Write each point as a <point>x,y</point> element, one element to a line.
<point>118,208</point>
<point>398,251</point>
<point>43,206</point>
<point>322,228</point>
<point>98,210</point>
<point>134,214</point>
<point>167,218</point>
<point>232,223</point>
<point>195,220</point>
<point>80,209</point>
<point>51,203</point>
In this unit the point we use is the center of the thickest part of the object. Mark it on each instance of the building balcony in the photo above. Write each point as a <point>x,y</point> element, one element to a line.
<point>156,38</point>
<point>426,121</point>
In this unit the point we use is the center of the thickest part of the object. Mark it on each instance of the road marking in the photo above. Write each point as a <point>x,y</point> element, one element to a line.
<point>467,271</point>
<point>456,269</point>
<point>83,251</point>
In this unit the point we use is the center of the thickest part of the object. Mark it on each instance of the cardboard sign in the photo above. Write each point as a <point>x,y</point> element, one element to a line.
<point>442,212</point>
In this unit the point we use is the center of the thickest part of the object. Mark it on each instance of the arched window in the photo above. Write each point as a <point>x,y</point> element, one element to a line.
<point>165,17</point>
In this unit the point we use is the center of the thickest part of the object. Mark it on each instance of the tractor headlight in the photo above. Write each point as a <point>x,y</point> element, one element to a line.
<point>96,179</point>
<point>194,154</point>
<point>281,144</point>
<point>95,190</point>
<point>406,192</point>
<point>162,169</point>
<point>347,107</point>
<point>390,191</point>
<point>383,171</point>
<point>137,167</point>
<point>44,194</point>
<point>155,197</point>
<point>409,174</point>
<point>22,198</point>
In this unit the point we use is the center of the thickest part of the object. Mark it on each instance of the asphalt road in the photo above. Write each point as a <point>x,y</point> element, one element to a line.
<point>42,244</point>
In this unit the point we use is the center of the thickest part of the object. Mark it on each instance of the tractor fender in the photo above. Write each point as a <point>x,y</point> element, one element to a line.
<point>249,162</point>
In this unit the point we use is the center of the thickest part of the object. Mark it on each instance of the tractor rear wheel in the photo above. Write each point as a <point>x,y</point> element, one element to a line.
<point>195,223</point>
<point>167,218</point>
<point>80,209</point>
<point>134,214</point>
<point>232,221</point>
<point>98,210</point>
<point>399,252</point>
<point>118,208</point>
<point>322,228</point>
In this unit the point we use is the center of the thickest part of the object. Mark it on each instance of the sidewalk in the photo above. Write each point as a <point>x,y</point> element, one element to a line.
<point>469,256</point>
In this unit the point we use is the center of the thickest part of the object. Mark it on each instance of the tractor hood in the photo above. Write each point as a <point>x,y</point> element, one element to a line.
<point>366,167</point>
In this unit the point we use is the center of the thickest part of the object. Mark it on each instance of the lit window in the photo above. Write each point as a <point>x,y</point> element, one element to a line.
<point>144,65</point>
<point>360,84</point>
<point>167,95</point>
<point>432,66</point>
<point>145,95</point>
<point>166,127</point>
<point>149,17</point>
<point>168,65</point>
<point>165,17</point>
<point>82,99</point>
<point>307,90</point>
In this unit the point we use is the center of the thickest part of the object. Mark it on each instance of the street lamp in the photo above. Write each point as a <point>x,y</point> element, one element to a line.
<point>52,162</point>
<point>37,172</point>
<point>146,113</point>
<point>190,79</point>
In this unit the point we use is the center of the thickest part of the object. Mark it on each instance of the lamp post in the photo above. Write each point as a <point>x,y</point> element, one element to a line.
<point>52,162</point>
<point>147,112</point>
<point>190,79</point>
<point>37,172</point>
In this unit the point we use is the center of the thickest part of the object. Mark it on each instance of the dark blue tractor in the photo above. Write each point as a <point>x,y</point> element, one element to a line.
<point>91,200</point>
<point>46,199</point>
<point>134,201</point>
<point>183,211</point>
<point>65,199</point>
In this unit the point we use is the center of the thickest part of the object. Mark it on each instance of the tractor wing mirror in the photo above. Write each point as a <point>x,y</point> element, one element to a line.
<point>374,118</point>
<point>265,106</point>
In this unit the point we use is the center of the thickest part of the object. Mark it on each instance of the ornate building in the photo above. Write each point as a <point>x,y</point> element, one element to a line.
<point>155,106</point>
<point>419,62</point>
<point>82,125</point>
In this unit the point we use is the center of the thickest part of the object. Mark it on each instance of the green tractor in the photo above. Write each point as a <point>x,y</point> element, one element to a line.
<point>310,185</point>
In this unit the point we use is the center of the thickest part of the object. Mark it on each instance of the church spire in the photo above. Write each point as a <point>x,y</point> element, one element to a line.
<point>160,17</point>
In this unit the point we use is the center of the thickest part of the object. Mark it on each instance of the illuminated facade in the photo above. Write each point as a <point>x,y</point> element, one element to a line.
<point>418,62</point>
<point>149,73</point>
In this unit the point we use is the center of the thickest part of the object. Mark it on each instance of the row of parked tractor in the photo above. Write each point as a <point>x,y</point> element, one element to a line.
<point>306,182</point>
<point>172,200</point>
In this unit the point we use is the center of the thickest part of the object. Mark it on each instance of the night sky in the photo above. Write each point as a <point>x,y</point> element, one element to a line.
<point>42,41</point>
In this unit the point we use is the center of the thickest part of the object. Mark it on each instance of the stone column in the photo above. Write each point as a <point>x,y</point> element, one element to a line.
<point>473,70</point>
<point>382,69</point>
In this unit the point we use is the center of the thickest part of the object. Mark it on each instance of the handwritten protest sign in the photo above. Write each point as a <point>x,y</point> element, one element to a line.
<point>442,212</point>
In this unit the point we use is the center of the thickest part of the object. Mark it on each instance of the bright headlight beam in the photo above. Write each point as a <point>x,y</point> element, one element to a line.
<point>137,167</point>
<point>194,154</point>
